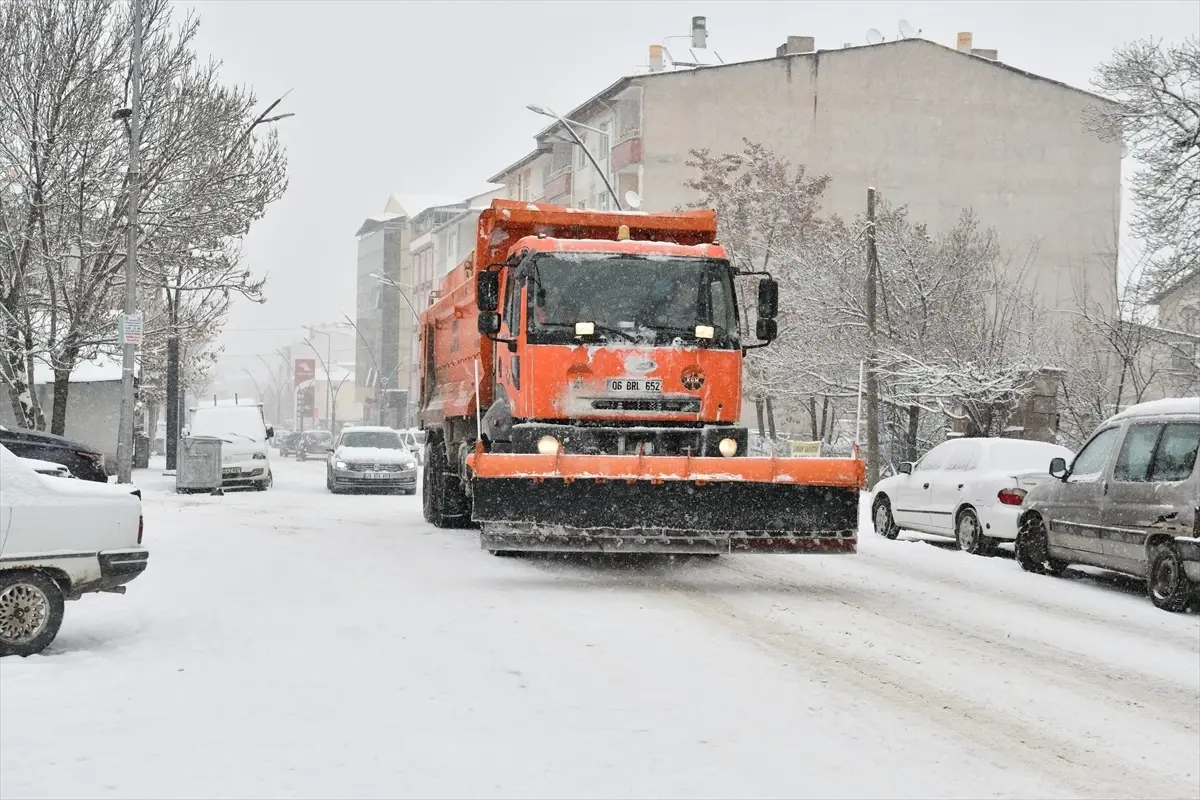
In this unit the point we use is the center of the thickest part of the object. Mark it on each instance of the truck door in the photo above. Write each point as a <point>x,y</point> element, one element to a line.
<point>508,363</point>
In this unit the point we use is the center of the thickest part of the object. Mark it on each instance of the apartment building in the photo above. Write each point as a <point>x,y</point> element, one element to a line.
<point>933,127</point>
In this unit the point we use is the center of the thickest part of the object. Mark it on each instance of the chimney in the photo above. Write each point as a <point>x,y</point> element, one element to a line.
<point>699,33</point>
<point>991,55</point>
<point>656,58</point>
<point>796,45</point>
<point>964,41</point>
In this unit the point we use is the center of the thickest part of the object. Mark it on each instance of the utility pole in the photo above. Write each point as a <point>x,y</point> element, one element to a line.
<point>872,345</point>
<point>125,430</point>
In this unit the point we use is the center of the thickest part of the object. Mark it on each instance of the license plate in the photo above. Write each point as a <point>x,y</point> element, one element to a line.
<point>230,473</point>
<point>653,385</point>
<point>376,476</point>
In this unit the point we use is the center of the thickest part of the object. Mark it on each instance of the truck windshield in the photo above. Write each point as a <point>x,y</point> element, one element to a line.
<point>641,299</point>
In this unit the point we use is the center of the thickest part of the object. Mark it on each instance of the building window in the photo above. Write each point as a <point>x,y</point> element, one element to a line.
<point>560,157</point>
<point>582,162</point>
<point>451,249</point>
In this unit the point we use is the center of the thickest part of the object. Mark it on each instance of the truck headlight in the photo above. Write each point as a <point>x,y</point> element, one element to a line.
<point>548,445</point>
<point>339,465</point>
<point>728,447</point>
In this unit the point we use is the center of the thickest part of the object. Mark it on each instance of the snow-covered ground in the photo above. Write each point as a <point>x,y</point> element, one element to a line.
<point>296,644</point>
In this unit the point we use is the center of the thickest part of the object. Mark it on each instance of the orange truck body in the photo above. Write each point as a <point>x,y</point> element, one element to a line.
<point>623,439</point>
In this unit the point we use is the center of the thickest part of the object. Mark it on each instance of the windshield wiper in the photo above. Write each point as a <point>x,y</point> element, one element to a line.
<point>597,326</point>
<point>244,436</point>
<point>691,332</point>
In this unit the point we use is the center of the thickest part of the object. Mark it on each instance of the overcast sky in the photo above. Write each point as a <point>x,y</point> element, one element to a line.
<point>429,97</point>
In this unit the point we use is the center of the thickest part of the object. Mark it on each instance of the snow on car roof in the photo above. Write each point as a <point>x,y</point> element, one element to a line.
<point>367,429</point>
<point>1171,405</point>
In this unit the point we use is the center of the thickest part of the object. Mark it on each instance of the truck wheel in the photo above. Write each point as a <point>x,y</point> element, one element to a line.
<point>1166,582</point>
<point>31,611</point>
<point>443,501</point>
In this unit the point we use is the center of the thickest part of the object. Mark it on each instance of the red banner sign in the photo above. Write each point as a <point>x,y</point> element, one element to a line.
<point>305,370</point>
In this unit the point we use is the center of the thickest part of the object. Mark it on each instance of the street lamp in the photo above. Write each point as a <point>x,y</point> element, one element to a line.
<point>546,112</point>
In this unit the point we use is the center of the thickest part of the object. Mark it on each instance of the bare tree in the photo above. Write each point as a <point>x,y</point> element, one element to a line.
<point>206,174</point>
<point>1155,91</point>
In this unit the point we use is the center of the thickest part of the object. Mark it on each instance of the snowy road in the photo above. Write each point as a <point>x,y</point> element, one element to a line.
<point>295,644</point>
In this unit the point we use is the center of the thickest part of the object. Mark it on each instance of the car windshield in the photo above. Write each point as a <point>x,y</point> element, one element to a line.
<point>388,440</point>
<point>631,298</point>
<point>319,436</point>
<point>1021,455</point>
<point>244,423</point>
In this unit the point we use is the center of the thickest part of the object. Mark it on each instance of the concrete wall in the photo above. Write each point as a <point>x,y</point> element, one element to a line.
<point>925,125</point>
<point>93,414</point>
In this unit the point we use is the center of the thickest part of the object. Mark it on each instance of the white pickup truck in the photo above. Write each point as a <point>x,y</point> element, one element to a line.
<point>60,539</point>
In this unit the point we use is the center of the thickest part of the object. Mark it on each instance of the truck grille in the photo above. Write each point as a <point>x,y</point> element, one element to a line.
<point>687,405</point>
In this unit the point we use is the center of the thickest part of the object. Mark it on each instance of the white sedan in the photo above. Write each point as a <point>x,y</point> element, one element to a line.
<point>967,489</point>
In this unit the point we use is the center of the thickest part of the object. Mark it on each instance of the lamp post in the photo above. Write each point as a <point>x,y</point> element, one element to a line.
<point>134,115</point>
<point>546,112</point>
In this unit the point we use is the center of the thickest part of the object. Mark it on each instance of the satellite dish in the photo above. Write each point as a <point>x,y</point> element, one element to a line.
<point>906,30</point>
<point>874,36</point>
<point>633,200</point>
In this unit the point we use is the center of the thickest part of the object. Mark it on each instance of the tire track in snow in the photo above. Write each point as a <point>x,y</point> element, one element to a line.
<point>896,567</point>
<point>1083,771</point>
<point>1171,702</point>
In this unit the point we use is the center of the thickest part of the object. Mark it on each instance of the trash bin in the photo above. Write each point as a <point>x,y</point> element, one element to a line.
<point>198,464</point>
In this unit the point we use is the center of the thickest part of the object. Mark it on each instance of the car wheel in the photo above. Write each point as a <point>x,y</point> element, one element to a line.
<point>1033,548</point>
<point>1166,582</point>
<point>881,514</point>
<point>969,535</point>
<point>31,612</point>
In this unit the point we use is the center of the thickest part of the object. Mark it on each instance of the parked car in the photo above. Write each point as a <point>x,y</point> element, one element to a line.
<point>315,442</point>
<point>47,468</point>
<point>966,489</point>
<point>414,440</point>
<point>368,457</point>
<point>1128,502</point>
<point>279,434</point>
<point>84,461</point>
<point>61,539</point>
<point>288,444</point>
<point>244,434</point>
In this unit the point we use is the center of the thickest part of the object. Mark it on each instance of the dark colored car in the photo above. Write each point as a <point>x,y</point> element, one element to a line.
<point>84,461</point>
<point>314,443</point>
<point>289,444</point>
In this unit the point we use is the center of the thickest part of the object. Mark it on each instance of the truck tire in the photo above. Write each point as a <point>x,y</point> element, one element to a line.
<point>31,612</point>
<point>443,501</point>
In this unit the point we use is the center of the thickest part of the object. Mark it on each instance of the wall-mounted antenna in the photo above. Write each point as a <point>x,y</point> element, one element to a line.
<point>875,37</point>
<point>906,30</point>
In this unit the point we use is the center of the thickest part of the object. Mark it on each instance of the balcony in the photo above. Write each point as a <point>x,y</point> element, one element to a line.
<point>557,186</point>
<point>626,153</point>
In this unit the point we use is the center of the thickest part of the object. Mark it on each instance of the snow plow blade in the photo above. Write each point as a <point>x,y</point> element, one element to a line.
<point>665,504</point>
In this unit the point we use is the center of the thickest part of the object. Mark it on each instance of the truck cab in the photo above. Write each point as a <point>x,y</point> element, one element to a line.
<point>635,345</point>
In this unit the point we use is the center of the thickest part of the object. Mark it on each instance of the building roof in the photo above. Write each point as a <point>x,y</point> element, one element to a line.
<point>523,161</point>
<point>98,370</point>
<point>404,206</point>
<point>1175,286</point>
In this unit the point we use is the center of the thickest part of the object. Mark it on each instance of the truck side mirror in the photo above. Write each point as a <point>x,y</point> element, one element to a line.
<point>489,323</point>
<point>768,301</point>
<point>766,329</point>
<point>487,292</point>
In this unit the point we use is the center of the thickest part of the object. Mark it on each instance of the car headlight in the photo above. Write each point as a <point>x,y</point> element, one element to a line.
<point>339,465</point>
<point>260,456</point>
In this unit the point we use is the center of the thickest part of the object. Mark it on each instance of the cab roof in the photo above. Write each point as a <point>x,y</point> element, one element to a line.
<point>1172,406</point>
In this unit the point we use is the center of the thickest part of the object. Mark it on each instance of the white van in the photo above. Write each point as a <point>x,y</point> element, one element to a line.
<point>60,539</point>
<point>244,433</point>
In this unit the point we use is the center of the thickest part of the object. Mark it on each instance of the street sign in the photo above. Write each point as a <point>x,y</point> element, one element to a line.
<point>129,328</point>
<point>305,370</point>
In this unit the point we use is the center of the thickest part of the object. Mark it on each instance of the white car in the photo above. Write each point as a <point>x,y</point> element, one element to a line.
<point>370,457</point>
<point>60,539</point>
<point>244,433</point>
<point>970,490</point>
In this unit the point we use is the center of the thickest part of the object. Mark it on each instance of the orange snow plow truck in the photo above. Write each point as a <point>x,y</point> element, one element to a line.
<point>581,385</point>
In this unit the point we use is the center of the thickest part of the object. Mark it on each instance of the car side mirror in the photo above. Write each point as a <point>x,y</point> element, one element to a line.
<point>768,300</point>
<point>270,431</point>
<point>329,448</point>
<point>905,468</point>
<point>1058,468</point>
<point>766,329</point>
<point>487,291</point>
<point>489,322</point>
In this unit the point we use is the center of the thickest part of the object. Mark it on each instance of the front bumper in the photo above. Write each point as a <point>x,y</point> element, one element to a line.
<point>1189,552</point>
<point>243,476</point>
<point>358,479</point>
